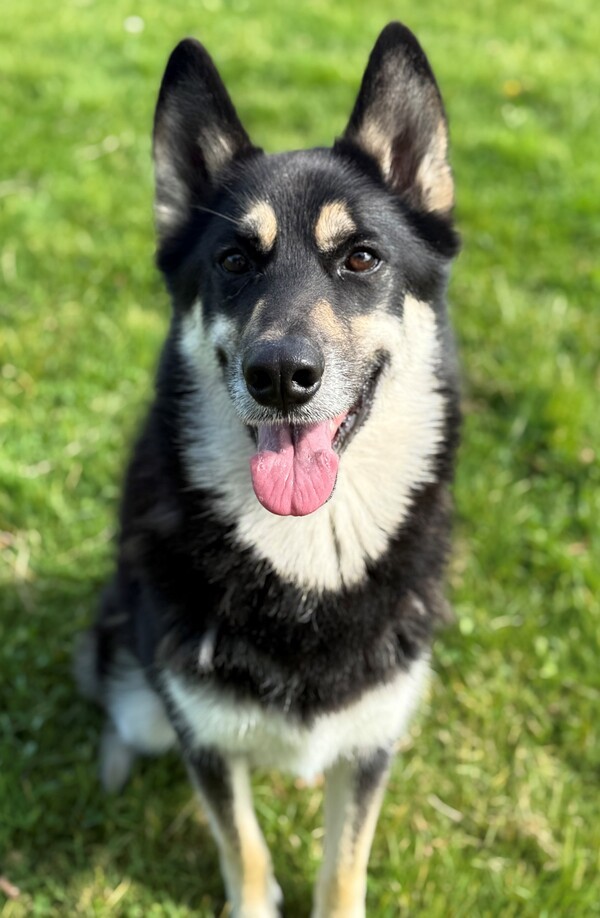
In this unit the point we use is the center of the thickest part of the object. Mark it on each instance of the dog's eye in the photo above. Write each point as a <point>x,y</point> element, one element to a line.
<point>361,260</point>
<point>235,262</point>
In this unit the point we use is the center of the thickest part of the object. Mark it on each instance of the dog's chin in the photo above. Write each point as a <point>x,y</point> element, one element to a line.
<point>295,466</point>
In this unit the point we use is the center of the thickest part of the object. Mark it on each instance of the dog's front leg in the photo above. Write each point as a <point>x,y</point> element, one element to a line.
<point>353,795</point>
<point>224,786</point>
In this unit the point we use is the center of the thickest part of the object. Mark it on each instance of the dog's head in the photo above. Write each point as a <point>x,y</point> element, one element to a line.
<point>291,272</point>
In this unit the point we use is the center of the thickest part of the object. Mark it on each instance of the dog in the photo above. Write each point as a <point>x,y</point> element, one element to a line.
<point>286,513</point>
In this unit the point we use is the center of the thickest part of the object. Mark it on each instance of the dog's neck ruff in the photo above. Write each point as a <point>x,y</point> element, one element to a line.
<point>391,457</point>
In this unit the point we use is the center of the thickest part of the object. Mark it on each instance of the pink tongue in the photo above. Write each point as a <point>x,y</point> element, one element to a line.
<point>294,470</point>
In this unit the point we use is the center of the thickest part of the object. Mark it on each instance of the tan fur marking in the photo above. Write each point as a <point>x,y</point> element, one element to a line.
<point>434,174</point>
<point>256,868</point>
<point>255,863</point>
<point>370,332</point>
<point>334,222</point>
<point>376,142</point>
<point>342,884</point>
<point>434,177</point>
<point>217,149</point>
<point>262,222</point>
<point>244,855</point>
<point>323,315</point>
<point>254,322</point>
<point>343,891</point>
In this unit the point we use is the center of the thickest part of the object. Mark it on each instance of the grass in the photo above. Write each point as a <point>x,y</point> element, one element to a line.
<point>493,808</point>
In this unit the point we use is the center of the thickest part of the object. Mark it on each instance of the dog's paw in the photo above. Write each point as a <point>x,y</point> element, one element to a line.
<point>275,895</point>
<point>336,906</point>
<point>116,759</point>
<point>255,911</point>
<point>270,908</point>
<point>357,911</point>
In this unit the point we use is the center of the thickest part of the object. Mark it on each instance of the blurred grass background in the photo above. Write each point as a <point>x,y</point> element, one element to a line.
<point>493,808</point>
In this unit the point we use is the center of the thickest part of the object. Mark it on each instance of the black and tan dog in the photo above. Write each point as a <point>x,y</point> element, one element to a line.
<point>286,514</point>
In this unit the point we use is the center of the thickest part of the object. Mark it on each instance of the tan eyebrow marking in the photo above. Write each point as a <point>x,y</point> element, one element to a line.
<point>333,223</point>
<point>261,221</point>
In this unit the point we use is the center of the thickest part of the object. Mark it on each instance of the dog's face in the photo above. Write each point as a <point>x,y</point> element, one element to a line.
<point>290,273</point>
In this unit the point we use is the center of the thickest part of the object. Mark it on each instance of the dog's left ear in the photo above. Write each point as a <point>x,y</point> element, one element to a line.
<point>399,121</point>
<point>196,134</point>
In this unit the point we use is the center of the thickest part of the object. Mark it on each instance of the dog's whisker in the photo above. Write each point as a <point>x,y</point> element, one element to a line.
<point>215,213</point>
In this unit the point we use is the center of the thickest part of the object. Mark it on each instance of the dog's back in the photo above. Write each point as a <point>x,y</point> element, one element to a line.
<point>286,515</point>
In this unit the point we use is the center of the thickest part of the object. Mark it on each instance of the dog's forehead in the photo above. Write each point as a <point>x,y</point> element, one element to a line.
<point>307,193</point>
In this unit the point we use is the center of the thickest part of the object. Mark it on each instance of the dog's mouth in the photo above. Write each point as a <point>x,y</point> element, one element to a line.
<point>295,467</point>
<point>353,419</point>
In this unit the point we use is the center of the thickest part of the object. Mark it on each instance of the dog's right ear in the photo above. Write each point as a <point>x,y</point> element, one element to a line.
<point>196,134</point>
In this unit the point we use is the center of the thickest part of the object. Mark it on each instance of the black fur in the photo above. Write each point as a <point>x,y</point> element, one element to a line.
<point>191,606</point>
<point>179,576</point>
<point>180,572</point>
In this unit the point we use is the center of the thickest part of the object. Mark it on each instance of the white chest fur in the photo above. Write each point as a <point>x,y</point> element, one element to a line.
<point>271,739</point>
<point>387,460</point>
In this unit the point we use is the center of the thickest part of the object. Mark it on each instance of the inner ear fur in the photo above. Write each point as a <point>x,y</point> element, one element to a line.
<point>197,133</point>
<point>399,120</point>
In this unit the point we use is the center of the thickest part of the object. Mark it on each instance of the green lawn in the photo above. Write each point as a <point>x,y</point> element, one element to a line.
<point>493,808</point>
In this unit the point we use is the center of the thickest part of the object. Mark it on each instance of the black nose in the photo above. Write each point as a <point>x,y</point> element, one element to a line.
<point>283,373</point>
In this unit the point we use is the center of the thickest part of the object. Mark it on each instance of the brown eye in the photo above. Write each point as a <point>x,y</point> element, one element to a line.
<point>235,262</point>
<point>360,260</point>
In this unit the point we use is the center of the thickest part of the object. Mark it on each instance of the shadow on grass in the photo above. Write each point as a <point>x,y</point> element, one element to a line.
<point>70,847</point>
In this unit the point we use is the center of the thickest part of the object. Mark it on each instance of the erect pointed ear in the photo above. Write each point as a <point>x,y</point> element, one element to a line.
<point>196,133</point>
<point>399,120</point>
